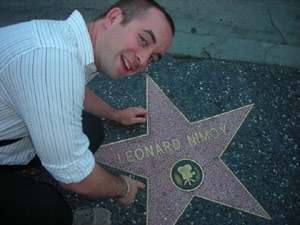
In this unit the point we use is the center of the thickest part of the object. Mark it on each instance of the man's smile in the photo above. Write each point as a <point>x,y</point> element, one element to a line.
<point>126,63</point>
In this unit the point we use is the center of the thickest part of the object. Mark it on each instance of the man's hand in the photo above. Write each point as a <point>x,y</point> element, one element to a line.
<point>97,106</point>
<point>131,116</point>
<point>102,184</point>
<point>134,185</point>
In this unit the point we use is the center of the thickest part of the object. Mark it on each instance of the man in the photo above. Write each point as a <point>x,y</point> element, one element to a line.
<point>44,67</point>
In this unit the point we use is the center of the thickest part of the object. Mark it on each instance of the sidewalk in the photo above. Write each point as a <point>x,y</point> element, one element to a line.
<point>265,32</point>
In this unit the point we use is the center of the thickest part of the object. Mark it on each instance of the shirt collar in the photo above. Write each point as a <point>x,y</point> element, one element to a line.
<point>81,33</point>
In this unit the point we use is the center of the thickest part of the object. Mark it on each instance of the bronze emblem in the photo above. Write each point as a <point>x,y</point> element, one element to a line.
<point>186,175</point>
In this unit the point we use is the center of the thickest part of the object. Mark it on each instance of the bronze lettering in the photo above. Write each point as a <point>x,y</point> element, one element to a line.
<point>129,157</point>
<point>149,151</point>
<point>216,133</point>
<point>167,147</point>
<point>136,154</point>
<point>224,130</point>
<point>191,140</point>
<point>176,144</point>
<point>158,149</point>
<point>204,138</point>
<point>120,161</point>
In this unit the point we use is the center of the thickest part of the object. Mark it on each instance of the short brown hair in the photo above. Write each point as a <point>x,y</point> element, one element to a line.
<point>131,9</point>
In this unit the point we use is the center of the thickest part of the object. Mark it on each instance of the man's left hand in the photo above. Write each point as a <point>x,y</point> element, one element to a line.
<point>131,116</point>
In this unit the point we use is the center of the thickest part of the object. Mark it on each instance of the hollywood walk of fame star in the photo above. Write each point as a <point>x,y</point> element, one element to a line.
<point>171,138</point>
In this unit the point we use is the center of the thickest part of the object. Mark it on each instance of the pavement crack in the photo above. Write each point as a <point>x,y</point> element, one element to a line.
<point>267,52</point>
<point>272,22</point>
<point>206,54</point>
<point>242,77</point>
<point>205,51</point>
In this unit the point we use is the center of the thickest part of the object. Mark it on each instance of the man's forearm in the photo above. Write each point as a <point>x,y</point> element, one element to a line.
<point>99,184</point>
<point>97,106</point>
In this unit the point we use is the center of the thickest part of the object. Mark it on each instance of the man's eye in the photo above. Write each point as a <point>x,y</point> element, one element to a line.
<point>152,60</point>
<point>143,40</point>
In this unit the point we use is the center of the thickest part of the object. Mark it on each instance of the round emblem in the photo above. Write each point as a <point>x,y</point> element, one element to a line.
<point>186,175</point>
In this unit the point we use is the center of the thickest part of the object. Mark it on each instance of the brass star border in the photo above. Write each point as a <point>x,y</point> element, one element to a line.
<point>172,138</point>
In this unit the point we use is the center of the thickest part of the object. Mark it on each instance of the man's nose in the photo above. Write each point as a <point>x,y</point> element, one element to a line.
<point>143,58</point>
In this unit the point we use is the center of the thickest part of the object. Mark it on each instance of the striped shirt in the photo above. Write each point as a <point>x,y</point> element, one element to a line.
<point>44,66</point>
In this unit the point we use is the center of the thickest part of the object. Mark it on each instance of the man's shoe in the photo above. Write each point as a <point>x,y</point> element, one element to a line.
<point>91,216</point>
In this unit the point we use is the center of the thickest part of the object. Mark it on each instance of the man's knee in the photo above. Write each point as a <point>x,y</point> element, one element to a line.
<point>27,201</point>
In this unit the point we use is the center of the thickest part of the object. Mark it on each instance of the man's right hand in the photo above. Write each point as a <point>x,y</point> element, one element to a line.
<point>134,185</point>
<point>102,184</point>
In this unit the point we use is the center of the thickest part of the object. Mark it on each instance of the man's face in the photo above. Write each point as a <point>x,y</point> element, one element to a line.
<point>125,50</point>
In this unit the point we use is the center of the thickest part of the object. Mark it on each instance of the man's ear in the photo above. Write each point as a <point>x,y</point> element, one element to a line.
<point>115,15</point>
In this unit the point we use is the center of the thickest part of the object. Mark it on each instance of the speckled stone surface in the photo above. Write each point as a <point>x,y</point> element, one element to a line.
<point>263,154</point>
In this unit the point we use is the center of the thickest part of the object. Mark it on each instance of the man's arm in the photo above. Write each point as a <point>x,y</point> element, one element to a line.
<point>102,184</point>
<point>97,106</point>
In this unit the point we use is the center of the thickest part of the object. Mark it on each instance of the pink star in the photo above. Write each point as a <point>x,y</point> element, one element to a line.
<point>171,137</point>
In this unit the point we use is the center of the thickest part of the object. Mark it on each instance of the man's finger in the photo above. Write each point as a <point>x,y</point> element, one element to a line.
<point>139,120</point>
<point>140,111</point>
<point>140,185</point>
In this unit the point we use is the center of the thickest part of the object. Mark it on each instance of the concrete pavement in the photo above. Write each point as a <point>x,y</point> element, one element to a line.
<point>265,32</point>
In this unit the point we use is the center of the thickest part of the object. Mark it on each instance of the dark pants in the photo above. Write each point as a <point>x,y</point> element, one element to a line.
<point>27,201</point>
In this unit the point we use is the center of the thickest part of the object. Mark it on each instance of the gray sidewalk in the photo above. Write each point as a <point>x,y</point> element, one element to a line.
<point>252,31</point>
<point>265,32</point>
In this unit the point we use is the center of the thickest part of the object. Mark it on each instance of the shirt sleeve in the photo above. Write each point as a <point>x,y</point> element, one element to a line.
<point>47,89</point>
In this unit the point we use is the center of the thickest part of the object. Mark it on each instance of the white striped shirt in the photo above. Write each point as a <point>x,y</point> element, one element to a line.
<point>42,79</point>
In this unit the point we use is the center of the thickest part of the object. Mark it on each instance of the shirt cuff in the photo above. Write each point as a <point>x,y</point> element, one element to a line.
<point>75,171</point>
